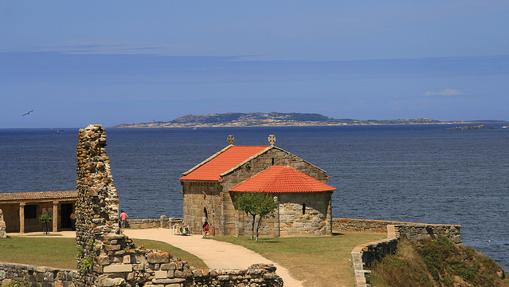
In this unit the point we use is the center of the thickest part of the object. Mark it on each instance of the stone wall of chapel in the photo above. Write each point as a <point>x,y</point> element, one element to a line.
<point>236,222</point>
<point>196,197</point>
<point>314,220</point>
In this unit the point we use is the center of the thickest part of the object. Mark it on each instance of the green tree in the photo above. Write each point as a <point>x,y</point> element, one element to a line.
<point>257,205</point>
<point>245,202</point>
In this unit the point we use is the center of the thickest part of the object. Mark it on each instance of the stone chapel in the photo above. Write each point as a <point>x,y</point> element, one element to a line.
<point>299,187</point>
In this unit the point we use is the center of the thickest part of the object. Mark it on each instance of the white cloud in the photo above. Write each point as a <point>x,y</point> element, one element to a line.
<point>447,92</point>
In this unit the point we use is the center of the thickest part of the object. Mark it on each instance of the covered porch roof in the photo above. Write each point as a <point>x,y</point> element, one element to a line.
<point>34,196</point>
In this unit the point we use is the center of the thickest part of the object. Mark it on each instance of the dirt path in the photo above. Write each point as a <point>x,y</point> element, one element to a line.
<point>216,254</point>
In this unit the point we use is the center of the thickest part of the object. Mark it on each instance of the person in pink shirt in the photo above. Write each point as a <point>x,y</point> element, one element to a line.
<point>123,219</point>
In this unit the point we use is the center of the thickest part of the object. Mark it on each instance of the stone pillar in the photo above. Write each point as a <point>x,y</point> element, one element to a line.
<point>277,224</point>
<point>55,216</point>
<point>2,226</point>
<point>21,217</point>
<point>328,229</point>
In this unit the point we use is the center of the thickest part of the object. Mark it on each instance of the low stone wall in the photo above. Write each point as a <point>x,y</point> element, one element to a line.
<point>416,232</point>
<point>410,230</point>
<point>145,223</point>
<point>11,273</point>
<point>360,225</point>
<point>365,255</point>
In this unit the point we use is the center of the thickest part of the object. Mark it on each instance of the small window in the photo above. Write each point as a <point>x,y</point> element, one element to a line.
<point>31,211</point>
<point>273,161</point>
<point>303,208</point>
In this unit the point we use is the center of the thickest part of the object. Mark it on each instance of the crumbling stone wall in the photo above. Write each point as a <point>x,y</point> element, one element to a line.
<point>2,225</point>
<point>11,273</point>
<point>109,258</point>
<point>96,207</point>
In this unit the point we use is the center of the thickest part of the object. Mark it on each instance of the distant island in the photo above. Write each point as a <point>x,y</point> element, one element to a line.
<point>275,120</point>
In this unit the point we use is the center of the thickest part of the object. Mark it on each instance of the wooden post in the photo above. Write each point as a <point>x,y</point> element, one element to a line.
<point>21,217</point>
<point>55,216</point>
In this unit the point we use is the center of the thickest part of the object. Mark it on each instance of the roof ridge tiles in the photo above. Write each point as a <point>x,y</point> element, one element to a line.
<point>281,178</point>
<point>213,167</point>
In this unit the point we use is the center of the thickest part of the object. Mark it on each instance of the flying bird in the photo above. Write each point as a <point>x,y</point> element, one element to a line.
<point>27,113</point>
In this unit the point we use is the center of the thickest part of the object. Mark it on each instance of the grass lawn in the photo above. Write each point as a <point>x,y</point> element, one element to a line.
<point>318,261</point>
<point>61,252</point>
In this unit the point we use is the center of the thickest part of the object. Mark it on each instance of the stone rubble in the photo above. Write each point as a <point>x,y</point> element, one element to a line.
<point>11,273</point>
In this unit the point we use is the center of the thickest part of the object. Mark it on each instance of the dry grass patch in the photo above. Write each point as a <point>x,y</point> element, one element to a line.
<point>61,252</point>
<point>318,261</point>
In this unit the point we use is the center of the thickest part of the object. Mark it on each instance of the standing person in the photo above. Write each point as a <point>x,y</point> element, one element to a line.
<point>123,219</point>
<point>206,228</point>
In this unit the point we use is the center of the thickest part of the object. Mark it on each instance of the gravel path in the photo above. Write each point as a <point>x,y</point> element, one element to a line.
<point>216,254</point>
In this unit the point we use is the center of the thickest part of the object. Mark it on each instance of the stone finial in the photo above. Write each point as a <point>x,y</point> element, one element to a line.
<point>272,139</point>
<point>230,139</point>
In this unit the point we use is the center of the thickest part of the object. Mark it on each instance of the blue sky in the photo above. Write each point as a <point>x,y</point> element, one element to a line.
<point>124,61</point>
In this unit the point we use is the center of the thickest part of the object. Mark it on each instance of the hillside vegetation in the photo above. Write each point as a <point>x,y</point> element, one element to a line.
<point>437,263</point>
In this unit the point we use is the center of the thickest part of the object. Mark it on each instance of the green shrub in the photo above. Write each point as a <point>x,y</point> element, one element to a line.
<point>439,262</point>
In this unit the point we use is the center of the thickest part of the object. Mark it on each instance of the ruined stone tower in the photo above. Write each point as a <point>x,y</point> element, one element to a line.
<point>97,206</point>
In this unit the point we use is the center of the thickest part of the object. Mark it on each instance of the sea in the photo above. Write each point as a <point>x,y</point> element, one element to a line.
<point>428,173</point>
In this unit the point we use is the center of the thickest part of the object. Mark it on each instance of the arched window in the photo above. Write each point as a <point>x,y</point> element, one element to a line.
<point>303,208</point>
<point>273,161</point>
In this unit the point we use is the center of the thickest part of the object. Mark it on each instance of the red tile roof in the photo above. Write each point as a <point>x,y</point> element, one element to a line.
<point>228,158</point>
<point>38,195</point>
<point>277,179</point>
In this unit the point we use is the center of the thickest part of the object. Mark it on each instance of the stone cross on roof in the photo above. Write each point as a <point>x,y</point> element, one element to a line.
<point>272,139</point>
<point>230,139</point>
